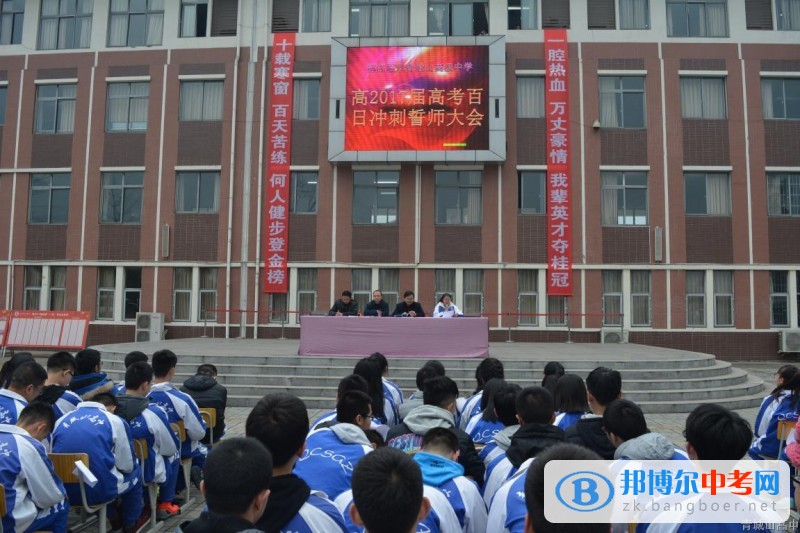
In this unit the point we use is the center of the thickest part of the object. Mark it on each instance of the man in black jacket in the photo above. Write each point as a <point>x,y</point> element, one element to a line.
<point>345,306</point>
<point>604,386</point>
<point>408,307</point>
<point>438,410</point>
<point>207,392</point>
<point>377,306</point>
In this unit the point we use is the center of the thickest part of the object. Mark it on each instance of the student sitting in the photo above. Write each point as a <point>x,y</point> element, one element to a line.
<point>383,407</point>
<point>483,427</point>
<point>505,405</point>
<point>446,308</point>
<point>132,357</point>
<point>60,369</point>
<point>206,391</point>
<point>90,381</point>
<point>25,385</point>
<point>390,389</point>
<point>604,385</point>
<point>489,368</point>
<point>626,426</point>
<point>431,369</point>
<point>346,384</point>
<point>781,404</point>
<point>571,401</point>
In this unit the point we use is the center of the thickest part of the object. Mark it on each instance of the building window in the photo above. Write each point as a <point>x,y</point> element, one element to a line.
<point>65,24</point>
<point>522,15</point>
<point>127,106</point>
<point>136,23</point>
<point>640,298</point>
<point>783,194</point>
<point>3,95</point>
<point>194,18</point>
<point>12,13</point>
<point>557,311</point>
<point>622,102</point>
<point>612,297</point>
<point>306,100</point>
<point>106,290</point>
<point>375,197</point>
<point>361,286</point>
<point>182,294</point>
<point>132,294</point>
<point>278,308</point>
<point>634,14</point>
<point>33,288</point>
<point>458,17</point>
<point>708,194</point>
<point>58,288</point>
<point>532,192</point>
<point>121,201</point>
<point>530,97</point>
<point>723,298</point>
<point>304,192</point>
<point>779,297</point>
<point>389,284</point>
<point>473,292</point>
<point>695,298</point>
<point>306,291</point>
<point>379,18</point>
<point>201,100</point>
<point>55,108</point>
<point>697,18</point>
<point>528,296</point>
<point>316,15</point>
<point>781,98</point>
<point>788,14</point>
<point>49,201</point>
<point>458,197</point>
<point>197,192</point>
<point>624,197</point>
<point>444,281</point>
<point>208,294</point>
<point>703,98</point>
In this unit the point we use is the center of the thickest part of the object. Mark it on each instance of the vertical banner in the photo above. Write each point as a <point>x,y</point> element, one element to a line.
<point>559,207</point>
<point>279,112</point>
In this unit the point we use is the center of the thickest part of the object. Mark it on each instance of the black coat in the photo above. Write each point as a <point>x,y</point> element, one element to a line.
<point>588,432</point>
<point>209,522</point>
<point>531,439</point>
<point>206,392</point>
<point>402,307</point>
<point>372,308</point>
<point>350,309</point>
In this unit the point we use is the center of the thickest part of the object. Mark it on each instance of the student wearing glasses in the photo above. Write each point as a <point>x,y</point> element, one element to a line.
<point>60,369</point>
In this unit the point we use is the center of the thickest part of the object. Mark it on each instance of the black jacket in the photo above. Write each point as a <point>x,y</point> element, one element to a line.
<point>402,307</point>
<point>209,522</point>
<point>588,432</point>
<point>372,308</point>
<point>206,392</point>
<point>287,494</point>
<point>350,309</point>
<point>531,439</point>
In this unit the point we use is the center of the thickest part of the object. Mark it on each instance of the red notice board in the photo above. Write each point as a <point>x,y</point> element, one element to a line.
<point>62,330</point>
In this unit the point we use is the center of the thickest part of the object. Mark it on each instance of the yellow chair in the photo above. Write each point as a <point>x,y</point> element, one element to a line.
<point>143,453</point>
<point>209,415</point>
<point>64,465</point>
<point>186,464</point>
<point>3,509</point>
<point>785,428</point>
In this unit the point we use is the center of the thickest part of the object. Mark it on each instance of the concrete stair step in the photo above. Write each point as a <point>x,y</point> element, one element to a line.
<point>687,406</point>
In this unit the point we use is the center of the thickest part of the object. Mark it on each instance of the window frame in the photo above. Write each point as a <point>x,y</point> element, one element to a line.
<point>302,290</point>
<point>105,290</point>
<point>296,177</point>
<point>613,321</point>
<point>204,309</point>
<point>50,189</point>
<point>647,296</point>
<point>390,291</point>
<point>625,187</point>
<point>147,13</point>
<point>779,19</point>
<point>129,126</point>
<point>181,21</point>
<point>315,5</point>
<point>704,33</point>
<point>718,294</point>
<point>358,5</point>
<point>784,194</point>
<point>461,175</point>
<point>182,176</point>
<point>3,103</point>
<point>536,110</point>
<point>528,320</point>
<point>129,293</point>
<point>216,115</point>
<point>619,93</point>
<point>440,274</point>
<point>472,294</point>
<point>694,175</point>
<point>58,17</point>
<point>532,175</point>
<point>449,17</point>
<point>32,290</point>
<point>58,102</point>
<point>648,21</point>
<point>183,291</point>
<point>17,21</point>
<point>362,294</point>
<point>104,187</point>
<point>561,317</point>
<point>775,296</point>
<point>313,108</point>
<point>53,289</point>
<point>704,114</point>
<point>783,100</point>
<point>376,188</point>
<point>534,15</point>
<point>696,295</point>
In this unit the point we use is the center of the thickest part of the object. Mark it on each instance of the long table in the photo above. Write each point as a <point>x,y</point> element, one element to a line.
<point>394,337</point>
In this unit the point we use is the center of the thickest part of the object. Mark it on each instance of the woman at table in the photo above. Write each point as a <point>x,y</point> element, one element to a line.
<point>446,308</point>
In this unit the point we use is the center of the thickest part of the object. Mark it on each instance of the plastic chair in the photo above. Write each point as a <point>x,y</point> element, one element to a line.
<point>186,463</point>
<point>64,467</point>
<point>785,428</point>
<point>143,454</point>
<point>209,416</point>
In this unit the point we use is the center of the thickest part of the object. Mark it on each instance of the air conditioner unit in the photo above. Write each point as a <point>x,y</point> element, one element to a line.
<point>613,336</point>
<point>790,341</point>
<point>149,327</point>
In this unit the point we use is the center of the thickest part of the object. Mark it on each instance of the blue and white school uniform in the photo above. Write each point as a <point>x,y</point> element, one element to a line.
<point>497,473</point>
<point>507,513</point>
<point>471,408</point>
<point>162,443</point>
<point>482,431</point>
<point>180,406</point>
<point>11,405</point>
<point>317,514</point>
<point>566,420</point>
<point>772,411</point>
<point>393,391</point>
<point>66,403</point>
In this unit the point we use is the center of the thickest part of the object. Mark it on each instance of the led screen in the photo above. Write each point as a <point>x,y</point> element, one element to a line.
<point>417,98</point>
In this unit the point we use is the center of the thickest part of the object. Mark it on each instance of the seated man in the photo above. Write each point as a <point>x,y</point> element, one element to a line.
<point>236,485</point>
<point>603,386</point>
<point>207,392</point>
<point>408,307</point>
<point>35,497</point>
<point>430,370</point>
<point>377,306</point>
<point>280,422</point>
<point>132,357</point>
<point>89,380</point>
<point>347,383</point>
<point>332,452</point>
<point>26,383</point>
<point>93,429</point>
<point>626,426</point>
<point>60,369</point>
<point>345,306</point>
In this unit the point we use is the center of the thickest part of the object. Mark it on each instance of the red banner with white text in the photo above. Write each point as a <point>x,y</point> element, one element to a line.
<point>559,207</point>
<point>279,113</point>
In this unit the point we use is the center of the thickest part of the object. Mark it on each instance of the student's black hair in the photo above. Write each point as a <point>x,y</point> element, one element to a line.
<point>86,360</point>
<point>30,373</point>
<point>236,471</point>
<point>441,298</point>
<point>374,437</point>
<point>11,365</point>
<point>347,293</point>
<point>717,433</point>
<point>61,361</point>
<point>106,398</point>
<point>379,358</point>
<point>505,403</point>
<point>552,373</point>
<point>570,395</point>
<point>408,293</point>
<point>352,404</point>
<point>207,369</point>
<point>163,362</point>
<point>787,373</point>
<point>280,422</point>
<point>535,489</point>
<point>38,411</point>
<point>488,369</point>
<point>371,372</point>
<point>624,419</point>
<point>604,384</point>
<point>387,490</point>
<point>424,374</point>
<point>135,357</point>
<point>437,365</point>
<point>487,399</point>
<point>441,439</point>
<point>535,405</point>
<point>136,374</point>
<point>439,391</point>
<point>352,382</point>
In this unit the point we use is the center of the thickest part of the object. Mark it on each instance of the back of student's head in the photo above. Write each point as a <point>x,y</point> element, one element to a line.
<point>535,489</point>
<point>788,375</point>
<point>280,422</point>
<point>138,374</point>
<point>35,412</point>
<point>505,403</point>
<point>30,373</point>
<point>352,382</point>
<point>163,362</point>
<point>387,491</point>
<point>488,369</point>
<point>624,419</point>
<point>135,357</point>
<point>86,361</point>
<point>107,399</point>
<point>535,405</point>
<point>437,365</point>
<point>439,392</point>
<point>370,370</point>
<point>487,399</point>
<point>352,404</point>
<point>207,369</point>
<point>11,365</point>
<point>60,361</point>
<point>425,373</point>
<point>236,471</point>
<point>717,433</point>
<point>605,384</point>
<point>552,373</point>
<point>440,440</point>
<point>379,358</point>
<point>570,395</point>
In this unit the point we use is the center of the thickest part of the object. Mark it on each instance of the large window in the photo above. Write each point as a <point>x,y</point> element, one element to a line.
<point>375,197</point>
<point>703,98</point>
<point>612,297</point>
<point>697,18</point>
<point>640,298</point>
<point>65,24</point>
<point>522,14</point>
<point>32,296</point>
<point>306,99</point>
<point>45,281</point>
<point>361,286</point>
<point>624,196</point>
<point>106,289</point>
<point>444,280</point>
<point>306,291</point>
<point>278,305</point>
<point>723,298</point>
<point>458,197</point>
<point>201,100</point>
<point>530,97</point>
<point>182,294</point>
<point>132,292</point>
<point>788,14</point>
<point>389,284</point>
<point>527,281</point>
<point>208,294</point>
<point>473,292</point>
<point>136,23</point>
<point>304,192</point>
<point>634,14</point>
<point>55,108</point>
<point>708,194</point>
<point>49,201</point>
<point>127,106</point>
<point>779,297</point>
<point>121,201</point>
<point>458,17</point>
<point>783,194</point>
<point>379,18</point>
<point>557,311</point>
<point>781,98</point>
<point>622,102</point>
<point>197,192</point>
<point>316,15</point>
<point>58,288</point>
<point>532,193</point>
<point>194,18</point>
<point>12,13</point>
<point>695,298</point>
